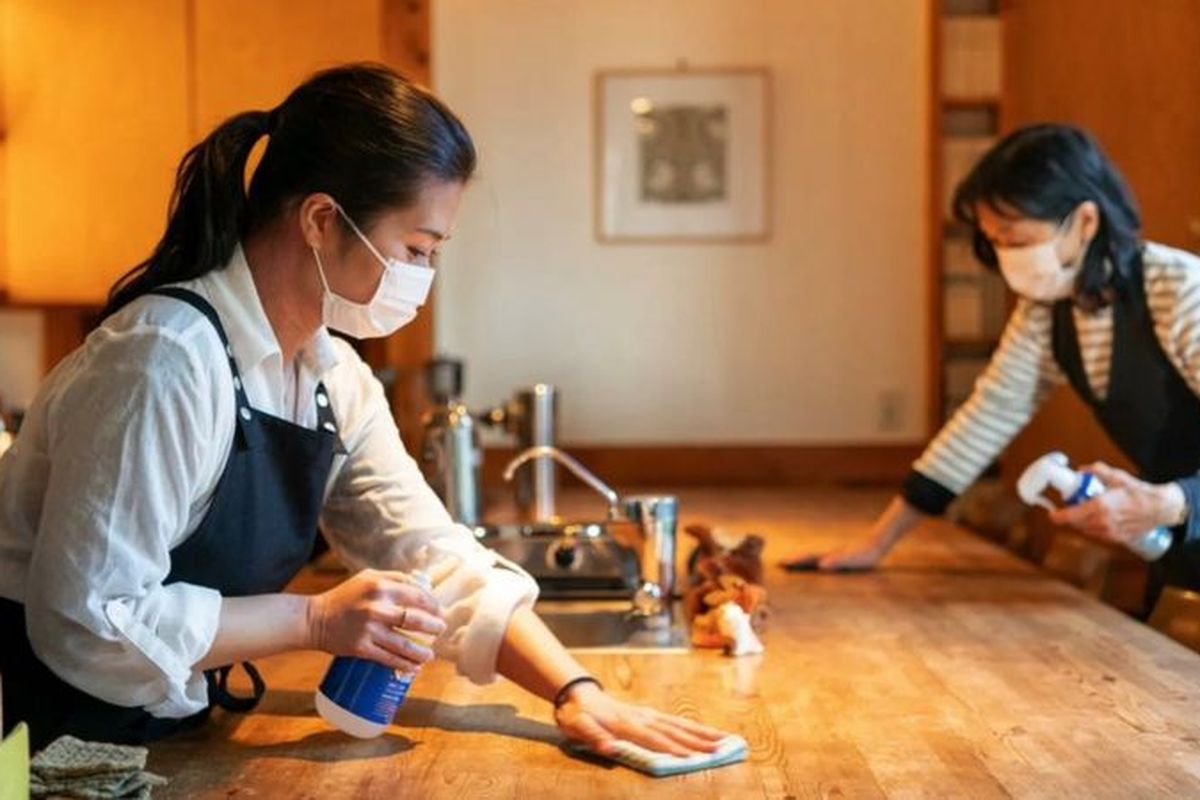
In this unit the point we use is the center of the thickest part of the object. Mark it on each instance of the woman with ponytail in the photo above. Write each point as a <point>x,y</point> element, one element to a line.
<point>171,474</point>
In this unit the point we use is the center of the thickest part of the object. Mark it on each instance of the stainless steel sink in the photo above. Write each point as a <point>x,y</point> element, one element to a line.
<point>606,625</point>
<point>587,573</point>
<point>592,560</point>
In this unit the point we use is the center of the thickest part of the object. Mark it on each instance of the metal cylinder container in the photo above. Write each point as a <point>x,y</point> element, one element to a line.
<point>533,420</point>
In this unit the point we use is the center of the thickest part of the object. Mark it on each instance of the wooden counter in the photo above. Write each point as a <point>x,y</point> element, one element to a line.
<point>956,671</point>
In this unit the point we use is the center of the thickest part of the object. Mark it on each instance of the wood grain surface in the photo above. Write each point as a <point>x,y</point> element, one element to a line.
<point>957,670</point>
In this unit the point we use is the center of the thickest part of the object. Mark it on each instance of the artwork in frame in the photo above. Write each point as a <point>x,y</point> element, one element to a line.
<point>682,155</point>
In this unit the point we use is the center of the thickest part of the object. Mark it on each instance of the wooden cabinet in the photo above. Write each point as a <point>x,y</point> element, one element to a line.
<point>103,99</point>
<point>100,100</point>
<point>1134,85</point>
<point>95,120</point>
<point>4,68</point>
<point>250,55</point>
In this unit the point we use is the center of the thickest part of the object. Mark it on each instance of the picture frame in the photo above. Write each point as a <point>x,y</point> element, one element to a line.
<point>682,155</point>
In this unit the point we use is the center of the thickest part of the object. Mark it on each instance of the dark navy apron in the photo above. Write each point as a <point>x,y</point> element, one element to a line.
<point>1150,412</point>
<point>257,534</point>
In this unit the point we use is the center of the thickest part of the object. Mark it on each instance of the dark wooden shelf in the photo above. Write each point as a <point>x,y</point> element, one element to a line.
<point>964,278</point>
<point>968,348</point>
<point>957,113</point>
<point>970,102</point>
<point>953,229</point>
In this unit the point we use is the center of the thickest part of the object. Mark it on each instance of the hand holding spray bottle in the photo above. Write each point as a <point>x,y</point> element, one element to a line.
<point>360,696</point>
<point>1054,470</point>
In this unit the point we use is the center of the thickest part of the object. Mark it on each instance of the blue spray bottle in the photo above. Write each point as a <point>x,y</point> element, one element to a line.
<point>360,696</point>
<point>1054,470</point>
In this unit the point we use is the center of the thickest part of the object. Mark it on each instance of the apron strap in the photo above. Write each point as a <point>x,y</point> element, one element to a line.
<point>1064,343</point>
<point>197,302</point>
<point>243,413</point>
<point>326,422</point>
<point>218,688</point>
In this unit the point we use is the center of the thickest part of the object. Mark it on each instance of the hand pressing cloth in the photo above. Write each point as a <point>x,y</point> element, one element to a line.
<point>730,750</point>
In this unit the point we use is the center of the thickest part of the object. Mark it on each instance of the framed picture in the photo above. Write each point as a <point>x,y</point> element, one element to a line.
<point>682,155</point>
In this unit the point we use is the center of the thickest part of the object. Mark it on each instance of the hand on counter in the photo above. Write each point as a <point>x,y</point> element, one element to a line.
<point>1126,510</point>
<point>854,557</point>
<point>866,553</point>
<point>363,615</point>
<point>534,659</point>
<point>596,718</point>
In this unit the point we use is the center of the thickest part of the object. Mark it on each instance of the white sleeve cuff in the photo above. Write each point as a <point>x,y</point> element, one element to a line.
<point>172,629</point>
<point>477,588</point>
<point>182,701</point>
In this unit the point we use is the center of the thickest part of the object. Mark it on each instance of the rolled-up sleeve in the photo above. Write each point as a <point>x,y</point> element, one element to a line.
<point>381,513</point>
<point>127,442</point>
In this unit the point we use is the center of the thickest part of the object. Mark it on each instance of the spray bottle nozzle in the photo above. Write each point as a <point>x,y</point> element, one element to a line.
<point>1052,469</point>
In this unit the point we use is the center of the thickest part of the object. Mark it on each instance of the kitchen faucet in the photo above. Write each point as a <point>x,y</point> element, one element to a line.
<point>655,517</point>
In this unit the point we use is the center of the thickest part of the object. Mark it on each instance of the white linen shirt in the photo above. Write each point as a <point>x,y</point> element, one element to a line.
<point>118,461</point>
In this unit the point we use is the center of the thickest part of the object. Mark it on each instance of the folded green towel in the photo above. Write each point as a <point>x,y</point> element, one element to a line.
<point>731,750</point>
<point>67,756</point>
<point>94,770</point>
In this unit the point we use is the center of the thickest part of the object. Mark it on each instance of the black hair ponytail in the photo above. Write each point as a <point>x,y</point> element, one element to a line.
<point>207,212</point>
<point>360,132</point>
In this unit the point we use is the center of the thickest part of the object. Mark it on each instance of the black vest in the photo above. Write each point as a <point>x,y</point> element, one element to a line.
<point>1150,412</point>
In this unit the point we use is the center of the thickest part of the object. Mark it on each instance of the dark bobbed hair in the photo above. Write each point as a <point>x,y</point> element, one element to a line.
<point>1045,172</point>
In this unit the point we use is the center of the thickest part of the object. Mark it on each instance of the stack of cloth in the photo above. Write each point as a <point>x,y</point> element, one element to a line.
<point>70,767</point>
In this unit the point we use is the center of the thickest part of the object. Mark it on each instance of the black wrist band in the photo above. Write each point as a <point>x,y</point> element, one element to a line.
<point>561,696</point>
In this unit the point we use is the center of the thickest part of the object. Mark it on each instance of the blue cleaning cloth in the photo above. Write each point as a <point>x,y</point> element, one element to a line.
<point>731,750</point>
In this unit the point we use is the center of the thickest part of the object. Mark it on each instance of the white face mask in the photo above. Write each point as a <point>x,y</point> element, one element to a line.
<point>403,289</point>
<point>1036,273</point>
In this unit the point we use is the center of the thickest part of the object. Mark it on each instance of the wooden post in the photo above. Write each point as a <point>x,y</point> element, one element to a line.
<point>406,48</point>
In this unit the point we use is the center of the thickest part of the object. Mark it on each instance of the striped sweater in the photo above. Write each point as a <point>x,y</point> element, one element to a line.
<point>1023,372</point>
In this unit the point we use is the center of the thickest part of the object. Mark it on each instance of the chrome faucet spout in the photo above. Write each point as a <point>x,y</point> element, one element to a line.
<point>580,471</point>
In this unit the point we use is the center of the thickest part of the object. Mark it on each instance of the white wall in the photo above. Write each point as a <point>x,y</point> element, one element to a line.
<point>20,357</point>
<point>794,341</point>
